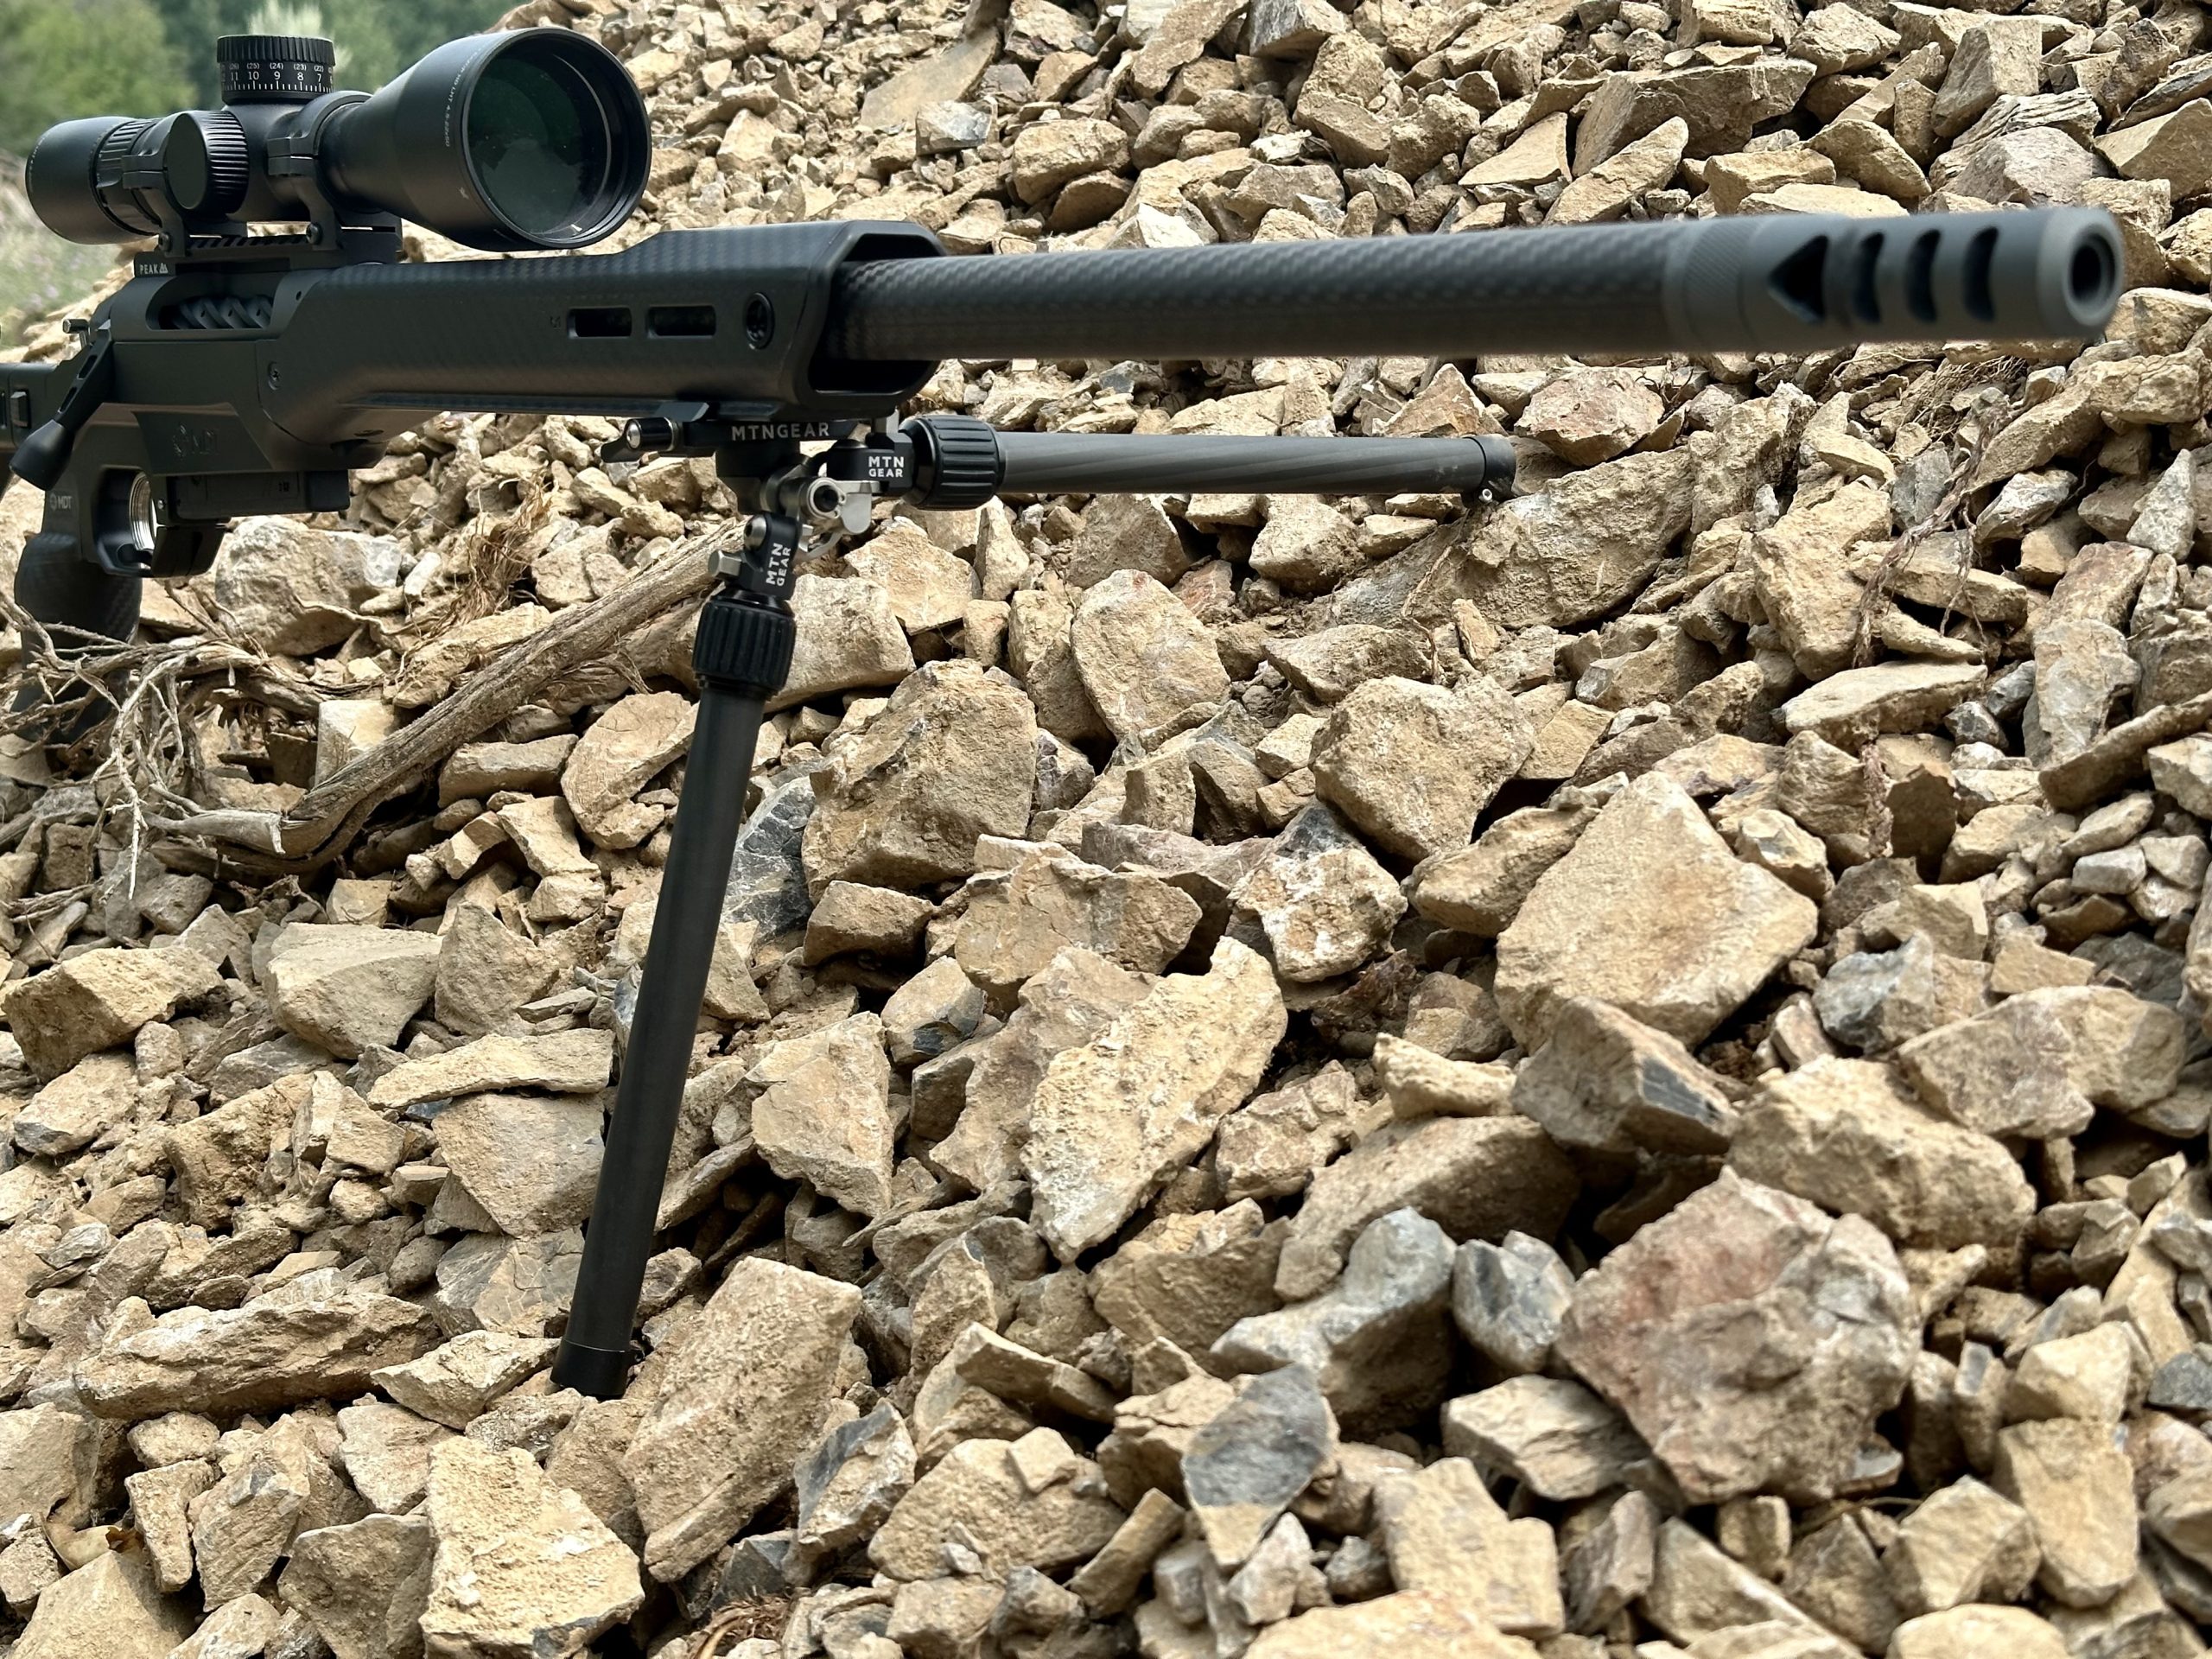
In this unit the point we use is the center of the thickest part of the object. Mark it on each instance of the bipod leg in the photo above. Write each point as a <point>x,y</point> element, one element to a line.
<point>743,652</point>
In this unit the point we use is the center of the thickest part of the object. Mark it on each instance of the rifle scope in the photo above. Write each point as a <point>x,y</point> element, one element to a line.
<point>531,139</point>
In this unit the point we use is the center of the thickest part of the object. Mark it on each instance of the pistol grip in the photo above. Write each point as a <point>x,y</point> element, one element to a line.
<point>74,597</point>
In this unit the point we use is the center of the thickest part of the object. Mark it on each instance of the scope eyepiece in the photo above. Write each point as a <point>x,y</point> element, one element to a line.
<point>62,181</point>
<point>535,138</point>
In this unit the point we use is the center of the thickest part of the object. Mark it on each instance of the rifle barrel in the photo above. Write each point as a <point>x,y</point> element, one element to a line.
<point>1766,282</point>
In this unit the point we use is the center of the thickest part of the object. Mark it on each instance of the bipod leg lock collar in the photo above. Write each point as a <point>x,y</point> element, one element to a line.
<point>746,628</point>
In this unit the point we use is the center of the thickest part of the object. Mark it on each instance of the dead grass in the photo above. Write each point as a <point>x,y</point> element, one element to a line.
<point>739,1622</point>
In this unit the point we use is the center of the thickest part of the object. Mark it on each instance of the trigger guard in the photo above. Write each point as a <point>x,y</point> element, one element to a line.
<point>187,551</point>
<point>181,548</point>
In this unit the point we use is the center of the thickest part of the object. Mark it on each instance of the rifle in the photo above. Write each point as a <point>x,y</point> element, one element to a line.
<point>238,372</point>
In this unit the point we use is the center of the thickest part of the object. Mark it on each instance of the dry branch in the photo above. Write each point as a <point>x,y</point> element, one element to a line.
<point>307,835</point>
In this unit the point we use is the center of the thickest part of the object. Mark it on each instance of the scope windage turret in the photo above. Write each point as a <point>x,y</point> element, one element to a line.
<point>533,139</point>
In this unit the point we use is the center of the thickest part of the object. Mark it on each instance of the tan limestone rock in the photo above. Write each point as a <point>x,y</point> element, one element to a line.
<point>1653,913</point>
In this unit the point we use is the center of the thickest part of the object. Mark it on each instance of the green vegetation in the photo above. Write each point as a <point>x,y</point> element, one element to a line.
<point>63,58</point>
<point>39,272</point>
<point>102,56</point>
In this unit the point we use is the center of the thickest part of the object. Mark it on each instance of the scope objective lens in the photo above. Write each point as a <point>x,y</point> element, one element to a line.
<point>537,139</point>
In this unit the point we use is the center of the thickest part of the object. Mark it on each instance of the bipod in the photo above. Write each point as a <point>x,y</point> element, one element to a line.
<point>742,655</point>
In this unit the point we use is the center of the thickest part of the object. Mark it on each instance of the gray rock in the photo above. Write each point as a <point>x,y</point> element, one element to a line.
<point>1508,1299</point>
<point>1475,1177</point>
<point>1876,999</point>
<point>1376,1339</point>
<point>942,128</point>
<point>1610,1566</point>
<point>936,1010</point>
<point>520,1286</point>
<point>2184,1382</point>
<point>1244,1465</point>
<point>851,1482</point>
<point>767,878</point>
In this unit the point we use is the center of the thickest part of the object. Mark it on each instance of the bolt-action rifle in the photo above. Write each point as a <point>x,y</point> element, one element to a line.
<point>242,370</point>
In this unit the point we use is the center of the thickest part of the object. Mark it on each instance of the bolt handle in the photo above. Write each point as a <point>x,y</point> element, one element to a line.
<point>43,456</point>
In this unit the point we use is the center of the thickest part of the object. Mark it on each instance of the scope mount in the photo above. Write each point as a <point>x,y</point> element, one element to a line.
<point>329,236</point>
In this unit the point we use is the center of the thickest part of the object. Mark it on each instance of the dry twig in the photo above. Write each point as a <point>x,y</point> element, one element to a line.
<point>302,836</point>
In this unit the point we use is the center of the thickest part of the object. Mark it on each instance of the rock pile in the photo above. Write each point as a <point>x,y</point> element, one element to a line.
<point>1620,1072</point>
